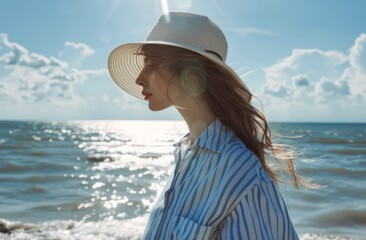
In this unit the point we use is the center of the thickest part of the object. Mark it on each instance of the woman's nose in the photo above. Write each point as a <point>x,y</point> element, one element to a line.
<point>140,79</point>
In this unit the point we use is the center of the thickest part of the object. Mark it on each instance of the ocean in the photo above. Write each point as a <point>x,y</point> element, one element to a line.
<point>99,179</point>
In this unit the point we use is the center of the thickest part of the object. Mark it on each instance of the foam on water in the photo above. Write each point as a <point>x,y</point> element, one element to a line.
<point>108,229</point>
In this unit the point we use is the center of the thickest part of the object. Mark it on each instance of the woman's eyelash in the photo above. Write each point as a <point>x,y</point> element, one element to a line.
<point>151,65</point>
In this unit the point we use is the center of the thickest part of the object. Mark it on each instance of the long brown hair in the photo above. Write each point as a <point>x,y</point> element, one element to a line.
<point>230,101</point>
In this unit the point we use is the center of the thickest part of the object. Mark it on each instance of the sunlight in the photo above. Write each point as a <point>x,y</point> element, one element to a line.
<point>165,7</point>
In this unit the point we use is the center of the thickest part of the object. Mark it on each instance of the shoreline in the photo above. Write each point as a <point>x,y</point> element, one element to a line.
<point>15,230</point>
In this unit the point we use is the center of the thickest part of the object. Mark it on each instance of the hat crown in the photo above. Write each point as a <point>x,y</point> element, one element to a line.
<point>193,30</point>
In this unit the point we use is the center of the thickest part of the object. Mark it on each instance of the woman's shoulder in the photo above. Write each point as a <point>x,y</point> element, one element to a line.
<point>242,161</point>
<point>236,149</point>
<point>238,159</point>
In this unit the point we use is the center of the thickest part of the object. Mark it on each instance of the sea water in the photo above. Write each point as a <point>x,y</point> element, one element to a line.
<point>99,179</point>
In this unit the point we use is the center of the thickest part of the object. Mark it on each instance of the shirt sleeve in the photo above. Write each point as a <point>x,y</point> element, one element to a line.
<point>261,214</point>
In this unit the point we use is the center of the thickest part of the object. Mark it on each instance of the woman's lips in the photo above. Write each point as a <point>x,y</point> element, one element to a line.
<point>146,95</point>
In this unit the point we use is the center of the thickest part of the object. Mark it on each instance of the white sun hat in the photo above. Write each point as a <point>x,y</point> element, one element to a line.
<point>180,29</point>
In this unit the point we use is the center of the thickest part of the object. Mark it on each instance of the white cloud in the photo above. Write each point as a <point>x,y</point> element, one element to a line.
<point>300,80</point>
<point>355,74</point>
<point>14,54</point>
<point>327,90</point>
<point>330,82</point>
<point>312,63</point>
<point>35,86</point>
<point>358,54</point>
<point>105,98</point>
<point>34,77</point>
<point>79,48</point>
<point>30,85</point>
<point>98,72</point>
<point>117,101</point>
<point>75,53</point>
<point>278,90</point>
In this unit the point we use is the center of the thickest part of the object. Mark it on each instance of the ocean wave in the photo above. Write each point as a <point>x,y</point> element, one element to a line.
<point>18,146</point>
<point>360,141</point>
<point>108,229</point>
<point>342,218</point>
<point>13,167</point>
<point>349,151</point>
<point>330,140</point>
<point>317,236</point>
<point>345,172</point>
<point>35,189</point>
<point>39,154</point>
<point>99,158</point>
<point>44,178</point>
<point>150,155</point>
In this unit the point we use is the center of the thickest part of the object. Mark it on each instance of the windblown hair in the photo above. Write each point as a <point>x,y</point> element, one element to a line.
<point>230,101</point>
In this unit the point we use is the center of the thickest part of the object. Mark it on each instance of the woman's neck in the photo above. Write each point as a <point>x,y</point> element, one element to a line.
<point>197,117</point>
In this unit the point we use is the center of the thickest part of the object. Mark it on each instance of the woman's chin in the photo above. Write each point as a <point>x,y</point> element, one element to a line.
<point>156,108</point>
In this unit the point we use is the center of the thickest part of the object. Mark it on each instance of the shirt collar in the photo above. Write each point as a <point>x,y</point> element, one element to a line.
<point>214,137</point>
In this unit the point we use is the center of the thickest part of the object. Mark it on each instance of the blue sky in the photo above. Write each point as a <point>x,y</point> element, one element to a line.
<point>305,60</point>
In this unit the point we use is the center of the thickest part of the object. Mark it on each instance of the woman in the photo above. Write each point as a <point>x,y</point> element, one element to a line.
<point>222,186</point>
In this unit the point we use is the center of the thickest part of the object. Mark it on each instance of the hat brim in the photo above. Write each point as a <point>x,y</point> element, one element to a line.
<point>125,66</point>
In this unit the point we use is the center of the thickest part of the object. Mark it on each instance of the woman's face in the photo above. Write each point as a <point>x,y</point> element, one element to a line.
<point>161,87</point>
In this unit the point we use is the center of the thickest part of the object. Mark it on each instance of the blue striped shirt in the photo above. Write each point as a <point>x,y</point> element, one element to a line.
<point>219,190</point>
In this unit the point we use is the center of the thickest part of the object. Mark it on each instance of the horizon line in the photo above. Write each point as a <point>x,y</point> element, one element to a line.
<point>177,120</point>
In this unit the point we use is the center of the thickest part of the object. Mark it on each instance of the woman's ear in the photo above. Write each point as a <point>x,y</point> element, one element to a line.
<point>193,79</point>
